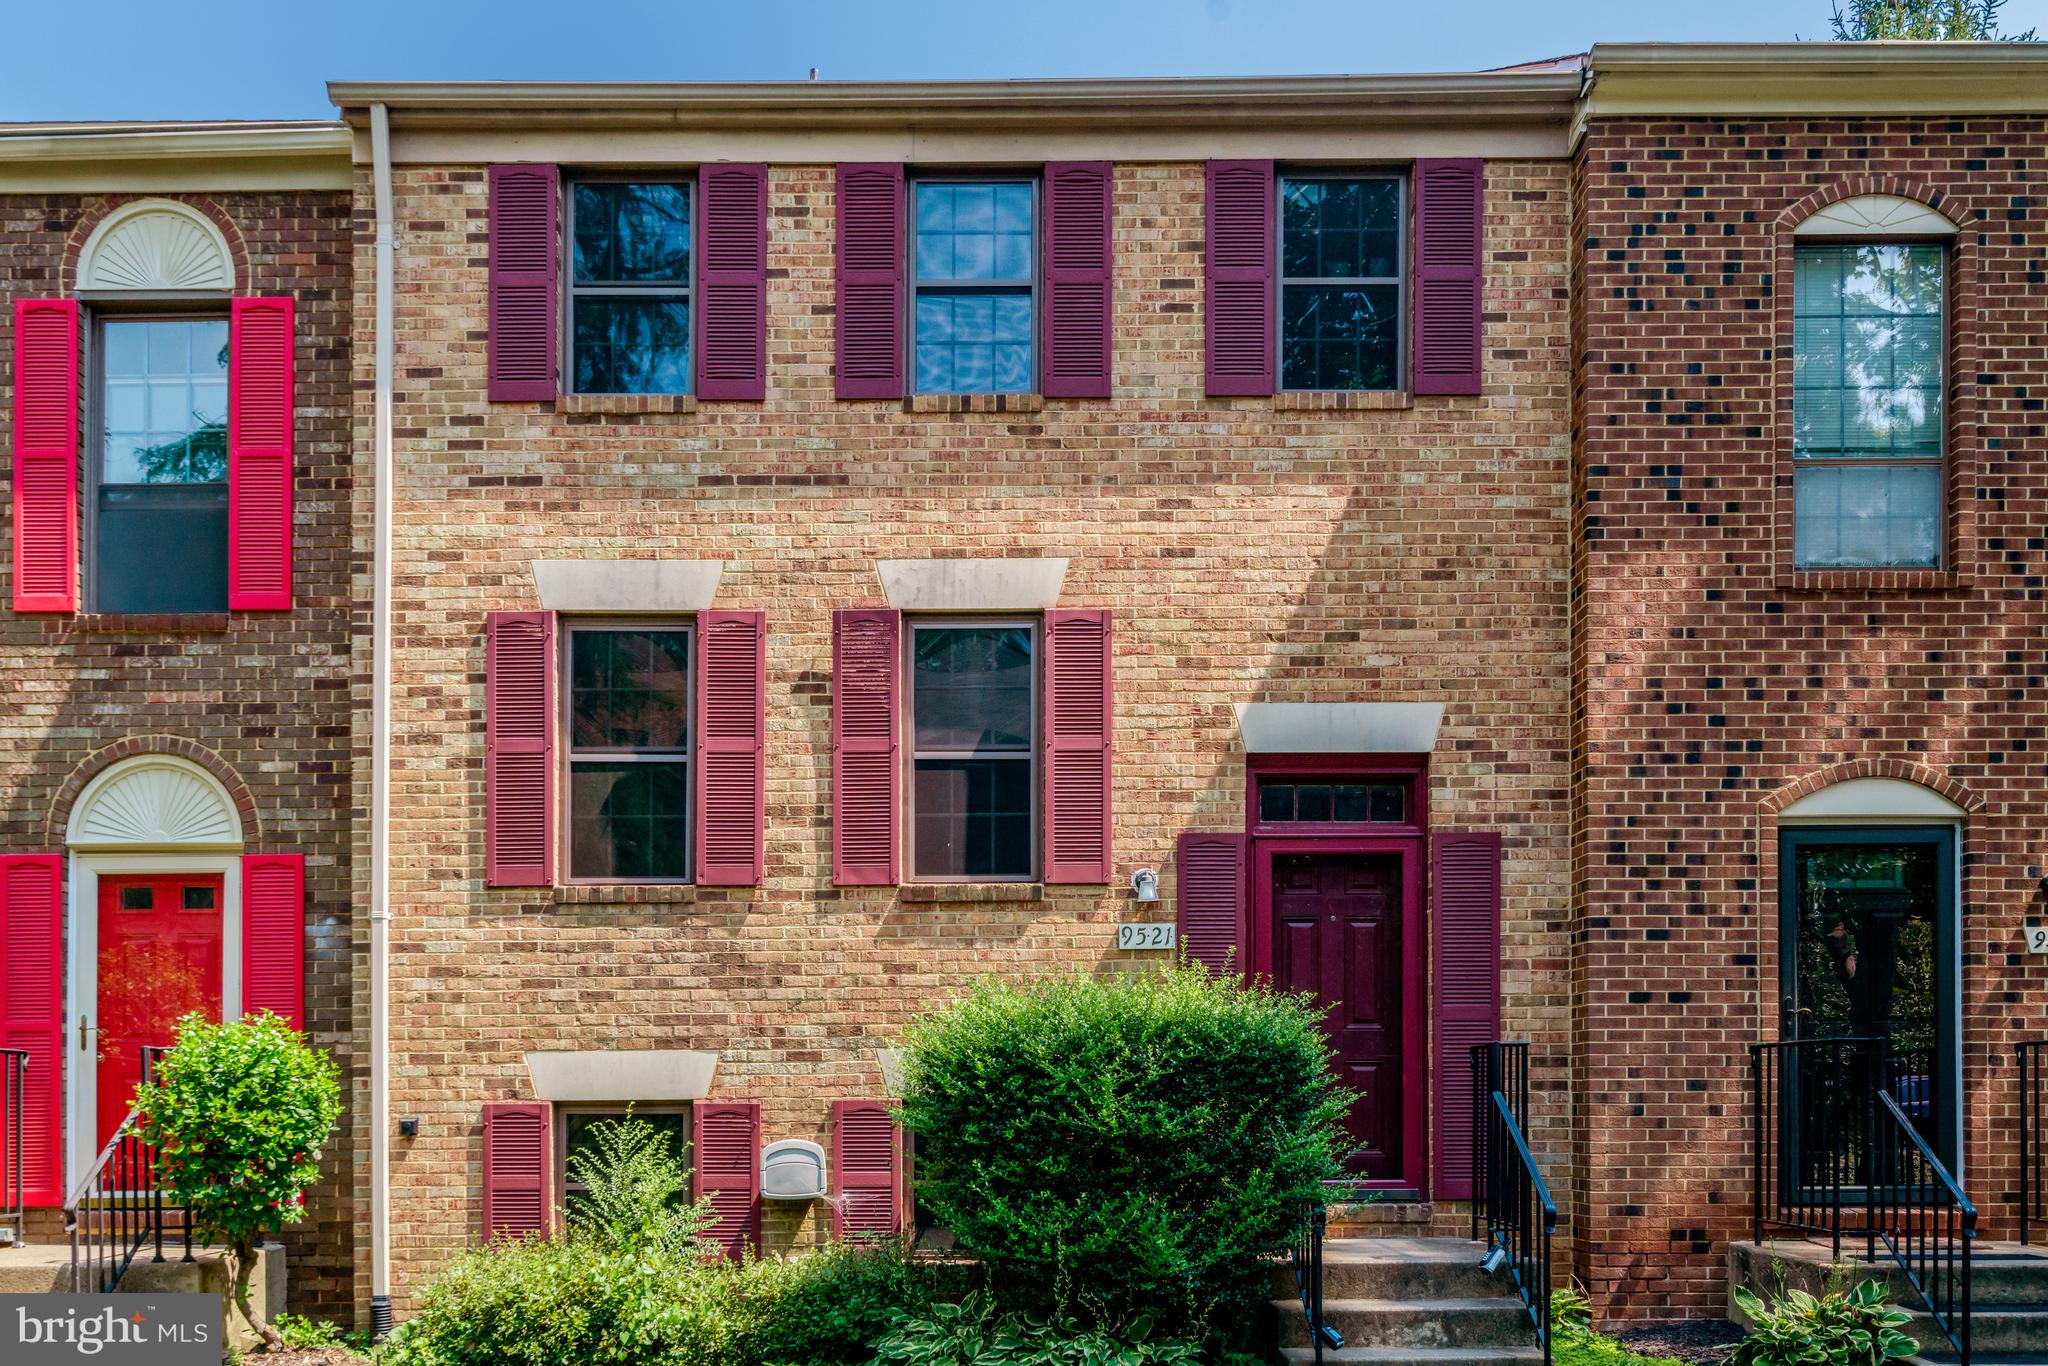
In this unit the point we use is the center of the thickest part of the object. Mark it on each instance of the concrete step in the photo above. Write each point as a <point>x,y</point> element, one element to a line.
<point>2000,1275</point>
<point>1977,1358</point>
<point>1492,1322</point>
<point>1418,1356</point>
<point>2005,1328</point>
<point>1398,1269</point>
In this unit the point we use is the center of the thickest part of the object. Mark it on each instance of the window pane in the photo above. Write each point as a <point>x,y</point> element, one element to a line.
<point>1350,803</point>
<point>635,233</point>
<point>164,402</point>
<point>1859,516</point>
<point>1867,368</point>
<point>1276,801</point>
<point>973,343</point>
<point>973,818</point>
<point>629,690</point>
<point>974,231</point>
<point>1312,802</point>
<point>578,1138</point>
<point>1340,228</point>
<point>629,820</point>
<point>632,345</point>
<point>1339,337</point>
<point>971,688</point>
<point>161,548</point>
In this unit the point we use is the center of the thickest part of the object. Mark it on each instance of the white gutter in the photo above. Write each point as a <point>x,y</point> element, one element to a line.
<point>380,743</point>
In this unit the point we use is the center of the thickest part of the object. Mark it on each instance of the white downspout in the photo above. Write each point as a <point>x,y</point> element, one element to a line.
<point>380,742</point>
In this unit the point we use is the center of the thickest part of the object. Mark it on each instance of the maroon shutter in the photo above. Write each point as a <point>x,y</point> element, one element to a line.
<point>46,455</point>
<point>274,936</point>
<point>1076,329</point>
<point>1210,900</point>
<point>524,248</point>
<point>727,1167</point>
<point>1077,727</point>
<point>32,1015</point>
<point>1240,251</point>
<point>1449,260</point>
<point>260,416</point>
<point>732,281</point>
<point>519,1165</point>
<point>732,714</point>
<point>866,778</point>
<point>867,1169</point>
<point>1465,989</point>
<point>519,743</point>
<point>868,287</point>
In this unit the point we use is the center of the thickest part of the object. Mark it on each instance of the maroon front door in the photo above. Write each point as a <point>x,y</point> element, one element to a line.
<point>1337,934</point>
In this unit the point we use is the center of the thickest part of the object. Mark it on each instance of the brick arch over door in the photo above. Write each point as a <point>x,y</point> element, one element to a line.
<point>97,212</point>
<point>1854,187</point>
<point>58,820</point>
<point>1919,775</point>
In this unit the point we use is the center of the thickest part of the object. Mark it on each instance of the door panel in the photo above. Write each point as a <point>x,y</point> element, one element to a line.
<point>159,960</point>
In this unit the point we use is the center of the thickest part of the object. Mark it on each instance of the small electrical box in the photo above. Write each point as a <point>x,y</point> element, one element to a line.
<point>792,1169</point>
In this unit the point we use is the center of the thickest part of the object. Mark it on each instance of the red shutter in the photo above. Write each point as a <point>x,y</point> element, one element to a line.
<point>260,407</point>
<point>523,252</point>
<point>519,744</point>
<point>1077,280</point>
<point>1210,901</point>
<point>1240,251</point>
<point>1464,936</point>
<point>1449,261</point>
<point>32,1013</point>
<point>519,1167</point>
<point>274,936</point>
<point>868,289</point>
<point>1077,725</point>
<point>45,455</point>
<point>867,665</point>
<point>732,707</point>
<point>732,281</point>
<point>867,1170</point>
<point>727,1167</point>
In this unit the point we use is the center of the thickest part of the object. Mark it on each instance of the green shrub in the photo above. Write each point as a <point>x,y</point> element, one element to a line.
<point>828,1307</point>
<point>636,1193</point>
<point>1856,1327</point>
<point>974,1333</point>
<point>1134,1143</point>
<point>238,1113</point>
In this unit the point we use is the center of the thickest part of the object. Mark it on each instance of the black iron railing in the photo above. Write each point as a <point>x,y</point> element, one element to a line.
<point>1922,1218</point>
<point>118,1207</point>
<point>1307,1257</point>
<point>1511,1204</point>
<point>1807,1141</point>
<point>13,1179</point>
<point>2033,1057</point>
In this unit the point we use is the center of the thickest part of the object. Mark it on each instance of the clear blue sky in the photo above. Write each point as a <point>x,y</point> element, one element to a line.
<point>153,59</point>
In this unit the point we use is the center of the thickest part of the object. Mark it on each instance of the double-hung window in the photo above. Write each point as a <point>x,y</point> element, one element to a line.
<point>630,286</point>
<point>629,753</point>
<point>1868,410</point>
<point>973,721</point>
<point>1341,271</point>
<point>159,473</point>
<point>973,306</point>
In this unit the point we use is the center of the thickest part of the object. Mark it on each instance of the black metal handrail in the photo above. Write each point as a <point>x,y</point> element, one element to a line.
<point>1916,1209</point>
<point>1807,1135</point>
<point>118,1206</point>
<point>2033,1057</point>
<point>1307,1256</point>
<point>1509,1196</point>
<point>13,1178</point>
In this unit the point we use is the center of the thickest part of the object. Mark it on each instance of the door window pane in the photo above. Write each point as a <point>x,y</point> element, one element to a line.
<point>1340,282</point>
<point>1282,800</point>
<point>973,701</point>
<point>630,285</point>
<point>629,746</point>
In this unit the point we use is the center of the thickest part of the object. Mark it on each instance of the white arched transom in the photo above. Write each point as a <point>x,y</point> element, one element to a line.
<point>154,801</point>
<point>156,244</point>
<point>1873,799</point>
<point>1876,215</point>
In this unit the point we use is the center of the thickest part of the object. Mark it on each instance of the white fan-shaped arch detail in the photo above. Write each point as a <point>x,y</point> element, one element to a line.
<point>154,801</point>
<point>156,244</point>
<point>1877,215</point>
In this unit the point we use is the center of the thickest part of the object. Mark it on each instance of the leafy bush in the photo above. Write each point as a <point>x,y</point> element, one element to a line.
<point>1856,1327</point>
<point>1139,1142</point>
<point>636,1193</point>
<point>828,1307</point>
<point>973,1333</point>
<point>238,1113</point>
<point>1569,1308</point>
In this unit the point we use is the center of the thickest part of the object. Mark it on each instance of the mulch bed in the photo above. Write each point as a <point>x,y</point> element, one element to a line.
<point>318,1356</point>
<point>1704,1342</point>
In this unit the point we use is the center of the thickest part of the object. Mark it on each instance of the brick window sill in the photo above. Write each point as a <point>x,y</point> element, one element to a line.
<point>1872,581</point>
<point>625,405</point>
<point>974,403</point>
<point>1341,400</point>
<point>625,894</point>
<point>152,623</point>
<point>969,893</point>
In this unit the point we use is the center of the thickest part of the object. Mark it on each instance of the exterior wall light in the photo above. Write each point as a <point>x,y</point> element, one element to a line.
<point>1145,884</point>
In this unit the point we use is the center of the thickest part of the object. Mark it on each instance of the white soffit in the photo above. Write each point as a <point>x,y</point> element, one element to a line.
<point>972,585</point>
<point>1876,215</point>
<point>1873,799</point>
<point>627,585</point>
<point>1339,727</point>
<point>624,1075</point>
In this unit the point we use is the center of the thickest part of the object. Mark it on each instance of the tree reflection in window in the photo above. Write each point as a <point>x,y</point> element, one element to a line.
<point>630,288</point>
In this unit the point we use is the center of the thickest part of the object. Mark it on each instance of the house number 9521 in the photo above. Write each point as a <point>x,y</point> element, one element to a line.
<point>1160,936</point>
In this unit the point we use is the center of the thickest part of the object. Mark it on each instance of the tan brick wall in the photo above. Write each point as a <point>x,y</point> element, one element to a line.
<point>1249,551</point>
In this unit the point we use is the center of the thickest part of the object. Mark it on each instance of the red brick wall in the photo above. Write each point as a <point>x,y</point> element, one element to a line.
<point>260,699</point>
<point>1716,686</point>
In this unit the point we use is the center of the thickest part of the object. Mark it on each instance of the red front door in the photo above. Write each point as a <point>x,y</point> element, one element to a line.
<point>1337,934</point>
<point>159,959</point>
